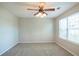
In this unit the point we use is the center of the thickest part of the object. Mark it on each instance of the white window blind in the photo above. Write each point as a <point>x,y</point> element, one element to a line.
<point>69,28</point>
<point>73,28</point>
<point>63,28</point>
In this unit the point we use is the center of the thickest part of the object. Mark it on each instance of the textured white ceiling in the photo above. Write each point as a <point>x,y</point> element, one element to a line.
<point>20,8</point>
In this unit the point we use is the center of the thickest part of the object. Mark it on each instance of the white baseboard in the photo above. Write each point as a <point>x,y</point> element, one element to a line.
<point>8,48</point>
<point>39,42</point>
<point>66,49</point>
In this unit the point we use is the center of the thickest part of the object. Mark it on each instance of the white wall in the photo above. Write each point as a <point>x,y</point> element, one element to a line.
<point>70,46</point>
<point>8,30</point>
<point>36,30</point>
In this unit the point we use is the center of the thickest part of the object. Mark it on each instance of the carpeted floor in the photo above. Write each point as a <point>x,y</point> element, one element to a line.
<point>37,49</point>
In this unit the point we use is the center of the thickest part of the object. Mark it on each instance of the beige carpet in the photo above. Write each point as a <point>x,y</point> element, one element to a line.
<point>42,49</point>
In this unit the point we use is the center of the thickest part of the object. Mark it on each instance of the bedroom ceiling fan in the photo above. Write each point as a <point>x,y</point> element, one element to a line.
<point>41,9</point>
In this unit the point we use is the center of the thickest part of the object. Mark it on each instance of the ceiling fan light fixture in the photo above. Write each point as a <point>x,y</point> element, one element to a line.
<point>41,14</point>
<point>38,14</point>
<point>44,14</point>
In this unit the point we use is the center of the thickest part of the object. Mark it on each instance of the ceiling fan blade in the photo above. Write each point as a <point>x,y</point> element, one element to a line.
<point>51,9</point>
<point>32,9</point>
<point>36,13</point>
<point>45,13</point>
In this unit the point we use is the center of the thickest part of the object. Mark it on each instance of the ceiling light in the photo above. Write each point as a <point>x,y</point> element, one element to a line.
<point>41,14</point>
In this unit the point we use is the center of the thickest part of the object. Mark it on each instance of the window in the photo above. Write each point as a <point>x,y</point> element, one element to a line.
<point>69,28</point>
<point>63,28</point>
<point>73,28</point>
